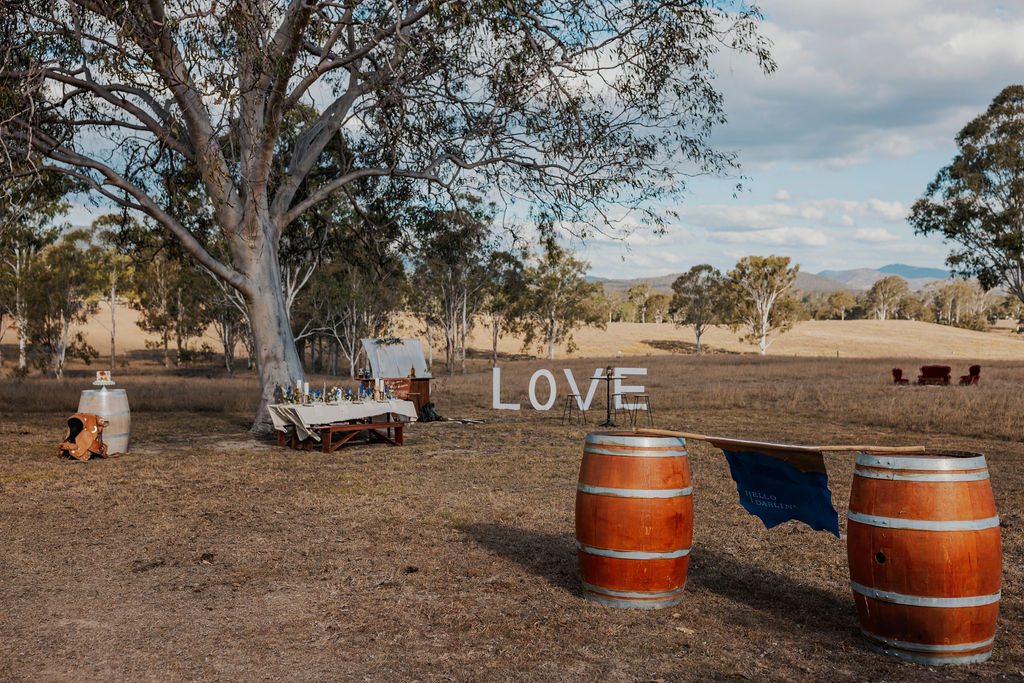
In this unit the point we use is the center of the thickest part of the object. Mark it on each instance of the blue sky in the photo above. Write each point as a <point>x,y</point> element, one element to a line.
<point>841,140</point>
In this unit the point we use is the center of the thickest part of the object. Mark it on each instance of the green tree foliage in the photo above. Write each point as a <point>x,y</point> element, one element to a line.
<point>977,201</point>
<point>559,300</point>
<point>700,299</point>
<point>504,296</point>
<point>658,306</point>
<point>840,303</point>
<point>118,268</point>
<point>760,296</point>
<point>65,280</point>
<point>960,303</point>
<point>638,296</point>
<point>914,308</point>
<point>451,269</point>
<point>885,296</point>
<point>30,207</point>
<point>345,303</point>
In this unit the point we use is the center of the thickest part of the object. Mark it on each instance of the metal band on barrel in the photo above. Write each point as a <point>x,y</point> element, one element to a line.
<point>633,493</point>
<point>977,475</point>
<point>910,463</point>
<point>923,601</point>
<point>923,647</point>
<point>923,524</point>
<point>929,659</point>
<point>597,450</point>
<point>631,594</point>
<point>635,441</point>
<point>114,436</point>
<point>633,554</point>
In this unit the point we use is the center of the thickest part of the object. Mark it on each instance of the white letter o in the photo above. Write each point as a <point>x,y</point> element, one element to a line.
<point>533,390</point>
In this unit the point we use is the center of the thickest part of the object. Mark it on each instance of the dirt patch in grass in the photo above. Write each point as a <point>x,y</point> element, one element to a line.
<point>203,554</point>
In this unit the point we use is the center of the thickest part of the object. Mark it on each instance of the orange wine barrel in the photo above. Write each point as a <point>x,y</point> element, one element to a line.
<point>634,519</point>
<point>112,406</point>
<point>925,555</point>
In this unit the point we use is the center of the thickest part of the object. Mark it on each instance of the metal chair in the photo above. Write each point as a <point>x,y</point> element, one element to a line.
<point>620,409</point>
<point>571,407</point>
<point>634,406</point>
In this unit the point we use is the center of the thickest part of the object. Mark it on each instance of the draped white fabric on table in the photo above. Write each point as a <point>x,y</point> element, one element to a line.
<point>302,417</point>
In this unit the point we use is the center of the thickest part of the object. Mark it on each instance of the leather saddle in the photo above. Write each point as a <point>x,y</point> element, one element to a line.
<point>84,437</point>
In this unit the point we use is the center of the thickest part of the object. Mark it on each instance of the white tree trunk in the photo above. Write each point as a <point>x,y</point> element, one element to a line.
<point>552,333</point>
<point>277,361</point>
<point>60,352</point>
<point>22,320</point>
<point>113,293</point>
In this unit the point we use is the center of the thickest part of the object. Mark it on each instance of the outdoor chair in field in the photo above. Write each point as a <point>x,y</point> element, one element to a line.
<point>621,414</point>
<point>634,407</point>
<point>571,410</point>
<point>898,378</point>
<point>972,376</point>
<point>934,374</point>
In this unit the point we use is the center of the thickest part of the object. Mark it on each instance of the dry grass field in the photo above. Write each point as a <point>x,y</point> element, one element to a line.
<point>203,554</point>
<point>849,338</point>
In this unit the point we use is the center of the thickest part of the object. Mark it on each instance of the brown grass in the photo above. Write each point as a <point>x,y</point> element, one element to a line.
<point>203,554</point>
<point>850,338</point>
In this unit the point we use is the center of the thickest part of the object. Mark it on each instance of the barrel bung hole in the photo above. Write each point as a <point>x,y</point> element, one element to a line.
<point>880,557</point>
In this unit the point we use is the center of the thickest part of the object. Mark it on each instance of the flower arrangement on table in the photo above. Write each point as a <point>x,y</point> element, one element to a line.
<point>290,395</point>
<point>337,395</point>
<point>389,341</point>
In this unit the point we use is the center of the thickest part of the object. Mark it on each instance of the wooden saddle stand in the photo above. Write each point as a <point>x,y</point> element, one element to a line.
<point>84,437</point>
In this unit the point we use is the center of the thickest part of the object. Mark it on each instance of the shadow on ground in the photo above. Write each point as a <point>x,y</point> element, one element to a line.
<point>765,590</point>
<point>684,347</point>
<point>552,557</point>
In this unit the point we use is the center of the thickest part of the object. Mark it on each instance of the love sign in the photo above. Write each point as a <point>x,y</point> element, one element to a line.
<point>548,377</point>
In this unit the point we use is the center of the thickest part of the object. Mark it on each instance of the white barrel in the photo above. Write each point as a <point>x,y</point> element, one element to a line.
<point>112,406</point>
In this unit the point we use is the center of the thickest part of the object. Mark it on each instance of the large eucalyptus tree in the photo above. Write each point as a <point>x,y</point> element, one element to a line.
<point>575,106</point>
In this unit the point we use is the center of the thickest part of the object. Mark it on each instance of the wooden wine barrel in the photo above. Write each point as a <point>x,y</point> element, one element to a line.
<point>634,519</point>
<point>111,405</point>
<point>925,555</point>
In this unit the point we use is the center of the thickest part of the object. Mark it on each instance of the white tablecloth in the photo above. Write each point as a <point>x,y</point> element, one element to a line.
<point>302,417</point>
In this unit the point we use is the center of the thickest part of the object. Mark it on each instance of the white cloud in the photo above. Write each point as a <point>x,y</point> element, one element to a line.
<point>783,196</point>
<point>775,236</point>
<point>890,211</point>
<point>869,80</point>
<point>845,162</point>
<point>874,235</point>
<point>815,212</point>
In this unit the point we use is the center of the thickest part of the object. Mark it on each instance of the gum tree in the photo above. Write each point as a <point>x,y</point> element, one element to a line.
<point>977,201</point>
<point>578,110</point>
<point>885,296</point>
<point>761,296</point>
<point>699,299</point>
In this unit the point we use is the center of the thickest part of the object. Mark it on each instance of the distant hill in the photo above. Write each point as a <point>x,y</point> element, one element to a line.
<point>856,279</point>
<point>914,272</point>
<point>805,282</point>
<point>809,282</point>
<point>659,283</point>
<point>863,278</point>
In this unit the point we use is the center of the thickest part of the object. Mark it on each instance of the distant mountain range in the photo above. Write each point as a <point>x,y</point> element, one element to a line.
<point>863,278</point>
<point>856,279</point>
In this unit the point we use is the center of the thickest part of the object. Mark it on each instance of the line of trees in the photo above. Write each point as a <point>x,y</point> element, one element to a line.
<point>444,267</point>
<point>958,302</point>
